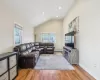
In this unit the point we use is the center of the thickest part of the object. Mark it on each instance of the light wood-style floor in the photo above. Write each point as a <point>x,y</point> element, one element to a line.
<point>77,74</point>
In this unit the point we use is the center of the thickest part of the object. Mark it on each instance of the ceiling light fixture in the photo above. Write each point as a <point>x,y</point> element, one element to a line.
<point>57,16</point>
<point>59,7</point>
<point>43,13</point>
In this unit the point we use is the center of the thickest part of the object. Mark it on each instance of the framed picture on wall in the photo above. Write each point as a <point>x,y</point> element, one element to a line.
<point>74,25</point>
<point>17,34</point>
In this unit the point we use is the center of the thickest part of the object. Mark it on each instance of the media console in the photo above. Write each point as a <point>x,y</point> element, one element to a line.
<point>72,55</point>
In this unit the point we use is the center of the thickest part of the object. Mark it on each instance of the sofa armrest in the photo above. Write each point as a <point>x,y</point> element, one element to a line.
<point>30,56</point>
<point>27,61</point>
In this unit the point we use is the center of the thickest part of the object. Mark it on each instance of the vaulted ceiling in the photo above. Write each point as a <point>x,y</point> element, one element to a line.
<point>39,11</point>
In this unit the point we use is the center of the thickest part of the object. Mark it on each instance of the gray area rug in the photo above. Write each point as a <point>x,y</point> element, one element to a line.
<point>53,62</point>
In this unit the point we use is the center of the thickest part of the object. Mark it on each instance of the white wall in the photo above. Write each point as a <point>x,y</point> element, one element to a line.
<point>88,39</point>
<point>7,20</point>
<point>51,26</point>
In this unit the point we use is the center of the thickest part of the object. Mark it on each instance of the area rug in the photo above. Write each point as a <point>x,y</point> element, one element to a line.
<point>53,62</point>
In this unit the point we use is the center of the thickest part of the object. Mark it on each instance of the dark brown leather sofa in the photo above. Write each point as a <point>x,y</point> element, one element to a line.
<point>48,48</point>
<point>29,53</point>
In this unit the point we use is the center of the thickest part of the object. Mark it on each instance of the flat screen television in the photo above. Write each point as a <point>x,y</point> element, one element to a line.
<point>69,41</point>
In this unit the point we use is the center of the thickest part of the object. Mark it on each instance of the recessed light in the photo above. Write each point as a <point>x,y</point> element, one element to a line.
<point>43,13</point>
<point>57,16</point>
<point>59,7</point>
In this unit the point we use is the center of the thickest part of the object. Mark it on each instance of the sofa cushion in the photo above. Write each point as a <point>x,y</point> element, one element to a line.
<point>30,50</point>
<point>28,46</point>
<point>36,46</point>
<point>24,53</point>
<point>33,48</point>
<point>50,44</point>
<point>32,44</point>
<point>22,48</point>
<point>36,43</point>
<point>42,44</point>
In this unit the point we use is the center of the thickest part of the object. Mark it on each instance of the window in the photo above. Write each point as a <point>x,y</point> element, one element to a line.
<point>48,37</point>
<point>17,35</point>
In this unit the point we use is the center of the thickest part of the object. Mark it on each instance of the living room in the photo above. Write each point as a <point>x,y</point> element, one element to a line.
<point>14,14</point>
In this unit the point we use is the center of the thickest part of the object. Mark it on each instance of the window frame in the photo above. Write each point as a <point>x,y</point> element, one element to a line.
<point>49,37</point>
<point>20,28</point>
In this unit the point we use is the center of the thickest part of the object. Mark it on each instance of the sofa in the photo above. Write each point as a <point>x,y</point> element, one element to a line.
<point>47,48</point>
<point>28,53</point>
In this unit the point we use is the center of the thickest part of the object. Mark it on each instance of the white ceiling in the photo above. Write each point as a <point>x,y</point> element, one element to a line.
<point>38,11</point>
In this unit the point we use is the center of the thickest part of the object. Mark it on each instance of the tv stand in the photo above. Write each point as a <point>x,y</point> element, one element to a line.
<point>72,55</point>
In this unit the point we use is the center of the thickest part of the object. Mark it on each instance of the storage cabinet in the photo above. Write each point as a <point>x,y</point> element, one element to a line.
<point>13,73</point>
<point>72,55</point>
<point>3,66</point>
<point>8,66</point>
<point>12,61</point>
<point>4,77</point>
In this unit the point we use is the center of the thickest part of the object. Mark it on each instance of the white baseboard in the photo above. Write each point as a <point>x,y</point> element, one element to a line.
<point>88,71</point>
